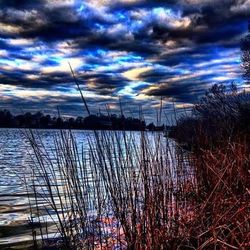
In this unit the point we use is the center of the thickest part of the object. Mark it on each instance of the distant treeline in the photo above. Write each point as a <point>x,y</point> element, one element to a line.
<point>39,120</point>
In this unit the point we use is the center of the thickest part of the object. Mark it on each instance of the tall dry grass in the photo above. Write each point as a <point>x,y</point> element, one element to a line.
<point>218,135</point>
<point>128,190</point>
<point>142,191</point>
<point>222,218</point>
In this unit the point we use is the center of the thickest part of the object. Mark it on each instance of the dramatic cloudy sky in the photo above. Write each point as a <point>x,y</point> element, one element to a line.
<point>135,50</point>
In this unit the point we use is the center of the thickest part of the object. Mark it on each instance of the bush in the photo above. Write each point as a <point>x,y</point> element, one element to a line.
<point>219,117</point>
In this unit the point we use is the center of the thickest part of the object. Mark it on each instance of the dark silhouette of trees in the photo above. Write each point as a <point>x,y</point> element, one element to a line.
<point>245,47</point>
<point>39,120</point>
<point>45,121</point>
<point>151,126</point>
<point>6,118</point>
<point>221,115</point>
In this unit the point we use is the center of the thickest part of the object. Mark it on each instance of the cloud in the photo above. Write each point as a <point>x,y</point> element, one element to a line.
<point>176,92</point>
<point>136,49</point>
<point>134,74</point>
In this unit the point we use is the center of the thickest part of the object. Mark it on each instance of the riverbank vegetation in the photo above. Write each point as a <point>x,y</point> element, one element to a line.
<point>130,191</point>
<point>218,134</point>
<point>144,191</point>
<point>221,116</point>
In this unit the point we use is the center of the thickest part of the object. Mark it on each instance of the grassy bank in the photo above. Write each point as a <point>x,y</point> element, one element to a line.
<point>218,132</point>
<point>132,191</point>
<point>140,190</point>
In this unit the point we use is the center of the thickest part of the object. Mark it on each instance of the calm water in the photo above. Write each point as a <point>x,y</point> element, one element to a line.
<point>15,160</point>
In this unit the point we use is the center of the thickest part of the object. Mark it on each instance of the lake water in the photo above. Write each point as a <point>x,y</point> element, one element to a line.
<point>15,161</point>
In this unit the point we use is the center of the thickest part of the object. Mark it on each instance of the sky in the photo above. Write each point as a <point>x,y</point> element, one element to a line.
<point>135,51</point>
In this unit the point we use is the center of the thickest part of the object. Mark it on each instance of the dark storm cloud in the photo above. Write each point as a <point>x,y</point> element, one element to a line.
<point>209,22</point>
<point>117,5</point>
<point>53,24</point>
<point>103,84</point>
<point>143,48</point>
<point>21,4</point>
<point>178,48</point>
<point>156,75</point>
<point>20,79</point>
<point>179,92</point>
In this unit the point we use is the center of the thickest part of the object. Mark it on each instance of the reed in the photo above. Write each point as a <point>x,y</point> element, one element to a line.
<point>218,134</point>
<point>128,189</point>
<point>140,190</point>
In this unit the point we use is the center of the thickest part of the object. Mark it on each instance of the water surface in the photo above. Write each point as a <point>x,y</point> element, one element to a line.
<point>16,158</point>
<point>15,161</point>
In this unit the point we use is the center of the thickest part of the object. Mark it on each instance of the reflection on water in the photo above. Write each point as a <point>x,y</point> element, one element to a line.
<point>15,161</point>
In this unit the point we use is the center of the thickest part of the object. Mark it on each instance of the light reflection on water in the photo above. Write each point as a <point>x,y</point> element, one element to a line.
<point>15,159</point>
